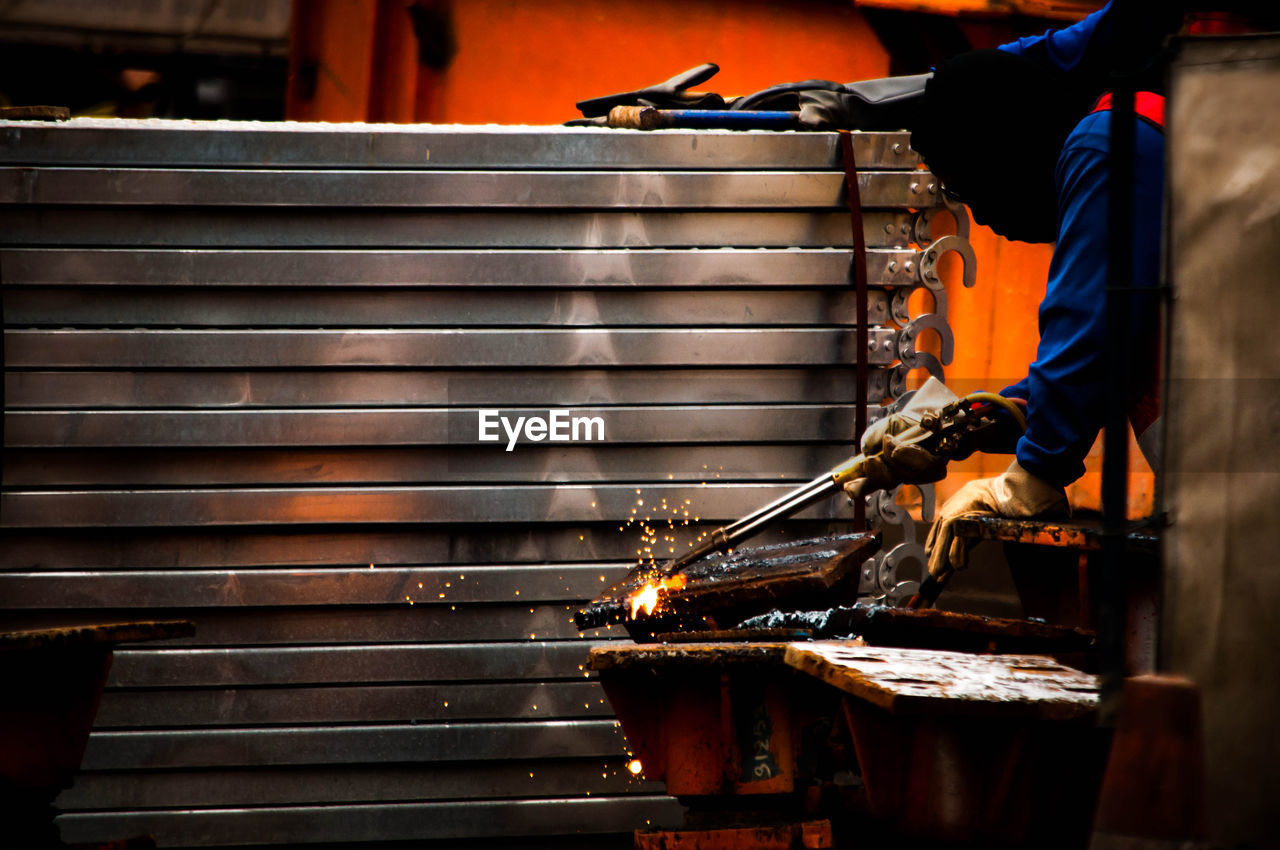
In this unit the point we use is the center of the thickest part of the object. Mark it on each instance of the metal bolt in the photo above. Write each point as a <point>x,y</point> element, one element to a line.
<point>904,229</point>
<point>893,266</point>
<point>910,266</point>
<point>888,228</point>
<point>897,148</point>
<point>887,345</point>
<point>915,188</point>
<point>933,188</point>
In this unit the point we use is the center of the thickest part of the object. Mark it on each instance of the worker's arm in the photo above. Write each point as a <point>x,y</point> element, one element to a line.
<point>1063,49</point>
<point>1065,386</point>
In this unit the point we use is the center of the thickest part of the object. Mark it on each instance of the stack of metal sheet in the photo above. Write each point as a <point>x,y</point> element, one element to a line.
<point>246,374</point>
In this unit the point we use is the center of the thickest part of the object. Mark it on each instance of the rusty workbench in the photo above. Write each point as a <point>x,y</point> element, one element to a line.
<point>53,679</point>
<point>934,746</point>
<point>1055,567</point>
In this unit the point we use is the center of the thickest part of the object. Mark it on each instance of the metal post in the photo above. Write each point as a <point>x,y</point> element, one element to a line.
<point>1115,465</point>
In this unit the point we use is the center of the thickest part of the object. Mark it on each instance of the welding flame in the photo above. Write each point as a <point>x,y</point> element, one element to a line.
<point>649,597</point>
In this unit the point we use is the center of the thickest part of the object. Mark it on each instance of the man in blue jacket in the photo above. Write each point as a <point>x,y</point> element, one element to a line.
<point>1065,386</point>
<point>1022,135</point>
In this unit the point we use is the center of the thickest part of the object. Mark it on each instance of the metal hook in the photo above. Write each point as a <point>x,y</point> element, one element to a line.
<point>907,341</point>
<point>902,314</point>
<point>932,255</point>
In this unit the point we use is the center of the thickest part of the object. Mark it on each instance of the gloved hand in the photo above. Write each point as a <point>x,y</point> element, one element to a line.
<point>1016,493</point>
<point>892,461</point>
<point>668,94</point>
<point>890,103</point>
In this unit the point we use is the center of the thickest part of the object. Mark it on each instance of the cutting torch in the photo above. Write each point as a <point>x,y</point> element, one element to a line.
<point>949,433</point>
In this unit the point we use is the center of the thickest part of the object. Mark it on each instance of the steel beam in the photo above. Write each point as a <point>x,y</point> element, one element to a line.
<point>437,387</point>
<point>194,827</point>
<point>222,144</point>
<point>787,269</point>
<point>289,506</point>
<point>191,548</point>
<point>370,585</point>
<point>449,742</point>
<point>457,427</point>
<point>352,784</point>
<point>140,708</point>
<point>472,347</point>
<point>169,307</point>
<point>265,227</point>
<point>258,467</point>
<point>734,190</point>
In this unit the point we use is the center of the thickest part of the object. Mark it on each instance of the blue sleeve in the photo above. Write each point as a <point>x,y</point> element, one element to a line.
<point>1059,49</point>
<point>1066,384</point>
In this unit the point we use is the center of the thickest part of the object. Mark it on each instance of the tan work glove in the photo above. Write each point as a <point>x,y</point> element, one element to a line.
<point>892,462</point>
<point>1016,493</point>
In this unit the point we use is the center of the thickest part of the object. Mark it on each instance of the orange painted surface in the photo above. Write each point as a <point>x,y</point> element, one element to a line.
<point>522,62</point>
<point>528,63</point>
<point>330,60</point>
<point>393,80</point>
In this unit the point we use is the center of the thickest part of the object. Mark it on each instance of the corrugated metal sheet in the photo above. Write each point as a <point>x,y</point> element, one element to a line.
<point>244,367</point>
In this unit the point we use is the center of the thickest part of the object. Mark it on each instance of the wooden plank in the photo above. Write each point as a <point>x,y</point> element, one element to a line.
<point>916,681</point>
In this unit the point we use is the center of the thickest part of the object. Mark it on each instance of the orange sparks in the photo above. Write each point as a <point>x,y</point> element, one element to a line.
<point>649,597</point>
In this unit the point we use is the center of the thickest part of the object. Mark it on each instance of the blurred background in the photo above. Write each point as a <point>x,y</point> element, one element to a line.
<point>527,62</point>
<point>463,61</point>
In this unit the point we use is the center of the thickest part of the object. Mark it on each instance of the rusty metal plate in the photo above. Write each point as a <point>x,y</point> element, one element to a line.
<point>1085,535</point>
<point>711,655</point>
<point>920,628</point>
<point>748,581</point>
<point>89,635</point>
<point>916,681</point>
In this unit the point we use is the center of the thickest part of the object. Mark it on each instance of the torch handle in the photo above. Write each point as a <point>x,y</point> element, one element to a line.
<point>728,536</point>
